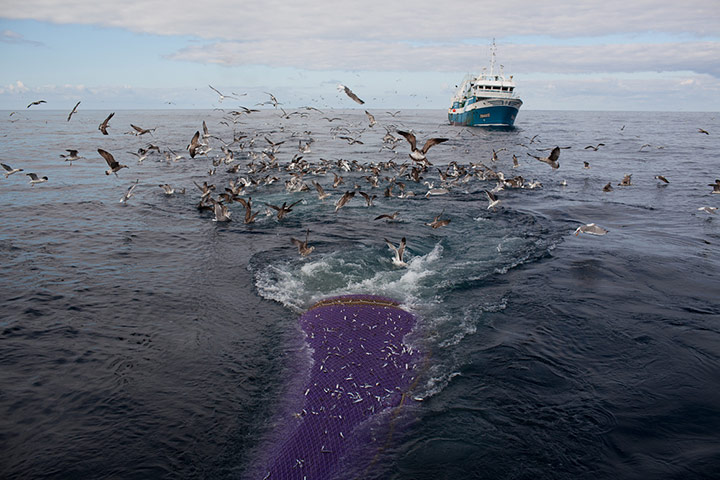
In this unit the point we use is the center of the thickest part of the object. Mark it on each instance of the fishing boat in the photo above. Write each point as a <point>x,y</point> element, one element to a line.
<point>487,99</point>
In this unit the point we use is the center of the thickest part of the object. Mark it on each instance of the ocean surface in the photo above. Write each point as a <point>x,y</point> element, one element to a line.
<point>146,340</point>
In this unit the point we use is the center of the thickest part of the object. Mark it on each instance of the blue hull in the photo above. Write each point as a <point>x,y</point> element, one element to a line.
<point>489,116</point>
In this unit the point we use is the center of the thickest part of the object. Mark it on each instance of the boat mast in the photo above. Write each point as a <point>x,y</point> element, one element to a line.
<point>492,59</point>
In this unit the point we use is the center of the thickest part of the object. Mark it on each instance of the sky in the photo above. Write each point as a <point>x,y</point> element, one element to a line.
<point>618,55</point>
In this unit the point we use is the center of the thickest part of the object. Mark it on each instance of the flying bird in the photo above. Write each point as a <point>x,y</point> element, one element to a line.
<point>700,130</point>
<point>71,156</point>
<point>398,252</point>
<point>552,159</point>
<point>9,170</point>
<point>284,209</point>
<point>594,148</point>
<point>349,93</point>
<point>222,214</point>
<point>249,216</point>
<point>73,111</point>
<point>141,131</point>
<point>716,186</point>
<point>34,179</point>
<point>36,102</point>
<point>711,210</point>
<point>194,144</point>
<point>114,166</point>
<point>344,199</point>
<point>129,192</point>
<point>389,216</point>
<point>104,125</point>
<point>303,248</point>
<point>662,178</point>
<point>493,201</point>
<point>222,97</point>
<point>437,223</point>
<point>321,192</point>
<point>419,155</point>
<point>371,118</point>
<point>590,228</point>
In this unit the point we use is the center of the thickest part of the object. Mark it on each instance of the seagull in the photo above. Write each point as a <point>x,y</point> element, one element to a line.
<point>349,93</point>
<point>74,110</point>
<point>114,166</point>
<point>493,201</point>
<point>552,159</point>
<point>594,148</point>
<point>129,192</point>
<point>419,155</point>
<point>222,97</point>
<point>590,228</point>
<point>34,179</point>
<point>716,186</point>
<point>700,130</point>
<point>711,210</point>
<point>437,223</point>
<point>104,125</point>
<point>321,192</point>
<point>284,209</point>
<point>71,156</point>
<point>303,248</point>
<point>515,161</point>
<point>37,102</point>
<point>249,216</point>
<point>343,200</point>
<point>398,252</point>
<point>222,214</point>
<point>169,190</point>
<point>626,181</point>
<point>389,216</point>
<point>371,118</point>
<point>368,199</point>
<point>9,170</point>
<point>141,131</point>
<point>662,178</point>
<point>194,144</point>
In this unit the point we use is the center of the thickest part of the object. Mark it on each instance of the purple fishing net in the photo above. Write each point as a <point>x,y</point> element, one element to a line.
<point>360,367</point>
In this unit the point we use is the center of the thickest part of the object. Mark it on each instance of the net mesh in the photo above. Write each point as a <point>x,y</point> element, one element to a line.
<point>360,368</point>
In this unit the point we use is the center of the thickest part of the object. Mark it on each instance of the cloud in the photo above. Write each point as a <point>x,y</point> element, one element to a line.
<point>318,54</point>
<point>9,36</point>
<point>13,88</point>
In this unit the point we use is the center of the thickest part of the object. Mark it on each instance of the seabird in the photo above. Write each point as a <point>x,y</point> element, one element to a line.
<point>662,178</point>
<point>141,131</point>
<point>222,214</point>
<point>169,190</point>
<point>371,118</point>
<point>594,148</point>
<point>349,93</point>
<point>368,199</point>
<point>344,199</point>
<point>711,210</point>
<point>398,252</point>
<point>626,181</point>
<point>321,192</point>
<point>700,130</point>
<point>129,192</point>
<point>437,223</point>
<point>419,155</point>
<point>74,110</point>
<point>34,179</point>
<point>716,186</point>
<point>590,228</point>
<point>608,187</point>
<point>586,164</point>
<point>493,201</point>
<point>389,216</point>
<point>104,125</point>
<point>552,159</point>
<point>194,144</point>
<point>114,166</point>
<point>222,97</point>
<point>249,216</point>
<point>303,248</point>
<point>9,170</point>
<point>71,156</point>
<point>36,102</point>
<point>515,161</point>
<point>284,209</point>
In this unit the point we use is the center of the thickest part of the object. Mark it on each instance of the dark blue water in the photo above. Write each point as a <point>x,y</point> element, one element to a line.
<point>145,340</point>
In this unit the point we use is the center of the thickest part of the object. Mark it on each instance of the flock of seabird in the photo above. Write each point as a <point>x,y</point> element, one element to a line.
<point>263,167</point>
